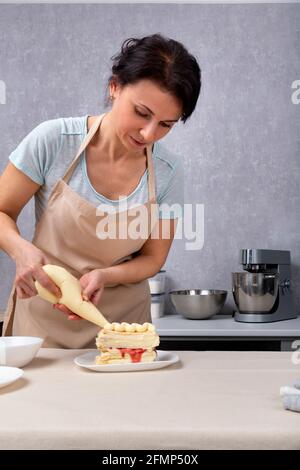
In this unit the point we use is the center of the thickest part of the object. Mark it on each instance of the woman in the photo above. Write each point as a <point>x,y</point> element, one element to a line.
<point>155,82</point>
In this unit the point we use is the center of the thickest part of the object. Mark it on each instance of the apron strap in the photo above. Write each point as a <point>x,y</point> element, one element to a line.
<point>85,143</point>
<point>151,179</point>
<point>7,329</point>
<point>82,147</point>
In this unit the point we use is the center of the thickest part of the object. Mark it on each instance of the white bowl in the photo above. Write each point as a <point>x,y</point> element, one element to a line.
<point>17,351</point>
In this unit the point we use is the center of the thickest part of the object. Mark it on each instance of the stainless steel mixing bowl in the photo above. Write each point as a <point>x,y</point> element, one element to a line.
<point>198,304</point>
<point>254,292</point>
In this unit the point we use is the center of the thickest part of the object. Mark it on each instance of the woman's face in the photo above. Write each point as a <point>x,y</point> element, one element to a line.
<point>143,113</point>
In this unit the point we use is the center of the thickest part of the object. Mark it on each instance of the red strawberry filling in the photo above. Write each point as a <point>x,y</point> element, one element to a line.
<point>135,354</point>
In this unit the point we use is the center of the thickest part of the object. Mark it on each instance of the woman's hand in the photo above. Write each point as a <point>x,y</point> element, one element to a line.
<point>29,261</point>
<point>92,284</point>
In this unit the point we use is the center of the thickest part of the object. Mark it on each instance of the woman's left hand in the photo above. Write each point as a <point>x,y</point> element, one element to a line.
<point>92,284</point>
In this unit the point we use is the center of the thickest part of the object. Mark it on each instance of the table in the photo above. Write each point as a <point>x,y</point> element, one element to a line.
<point>210,400</point>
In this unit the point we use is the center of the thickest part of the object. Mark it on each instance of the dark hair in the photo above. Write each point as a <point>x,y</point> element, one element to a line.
<point>163,60</point>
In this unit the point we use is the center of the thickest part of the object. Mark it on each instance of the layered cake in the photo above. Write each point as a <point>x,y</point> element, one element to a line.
<point>126,342</point>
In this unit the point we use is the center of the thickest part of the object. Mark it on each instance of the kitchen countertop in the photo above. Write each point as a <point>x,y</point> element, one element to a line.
<point>225,328</point>
<point>224,325</point>
<point>210,400</point>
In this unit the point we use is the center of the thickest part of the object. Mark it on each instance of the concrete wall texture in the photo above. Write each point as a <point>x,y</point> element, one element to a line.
<point>240,148</point>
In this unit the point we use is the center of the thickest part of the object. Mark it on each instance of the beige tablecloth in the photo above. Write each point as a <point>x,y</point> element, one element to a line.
<point>210,400</point>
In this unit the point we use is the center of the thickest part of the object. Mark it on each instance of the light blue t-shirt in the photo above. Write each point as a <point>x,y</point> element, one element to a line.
<point>46,152</point>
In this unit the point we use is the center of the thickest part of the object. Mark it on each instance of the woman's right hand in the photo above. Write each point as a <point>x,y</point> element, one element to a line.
<point>29,262</point>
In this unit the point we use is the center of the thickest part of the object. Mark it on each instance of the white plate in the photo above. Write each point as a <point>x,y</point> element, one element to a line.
<point>9,375</point>
<point>163,359</point>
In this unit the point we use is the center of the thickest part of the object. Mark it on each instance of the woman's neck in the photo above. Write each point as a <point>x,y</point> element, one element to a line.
<point>107,142</point>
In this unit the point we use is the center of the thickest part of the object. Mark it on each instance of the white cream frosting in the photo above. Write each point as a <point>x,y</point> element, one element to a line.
<point>129,327</point>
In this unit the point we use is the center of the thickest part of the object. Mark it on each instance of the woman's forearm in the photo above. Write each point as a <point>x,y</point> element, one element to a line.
<point>136,270</point>
<point>10,238</point>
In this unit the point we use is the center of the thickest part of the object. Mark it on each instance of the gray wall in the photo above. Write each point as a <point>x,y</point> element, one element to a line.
<point>241,146</point>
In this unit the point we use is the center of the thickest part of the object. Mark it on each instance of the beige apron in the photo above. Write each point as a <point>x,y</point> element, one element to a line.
<point>67,234</point>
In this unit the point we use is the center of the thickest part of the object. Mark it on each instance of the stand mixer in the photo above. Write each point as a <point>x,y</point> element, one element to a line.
<point>262,293</point>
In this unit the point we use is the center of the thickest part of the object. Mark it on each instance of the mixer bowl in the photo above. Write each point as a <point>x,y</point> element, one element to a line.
<point>254,292</point>
<point>197,304</point>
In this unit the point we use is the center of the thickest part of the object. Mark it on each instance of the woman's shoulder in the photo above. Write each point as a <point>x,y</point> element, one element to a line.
<point>37,151</point>
<point>169,176</point>
<point>63,126</point>
<point>166,159</point>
